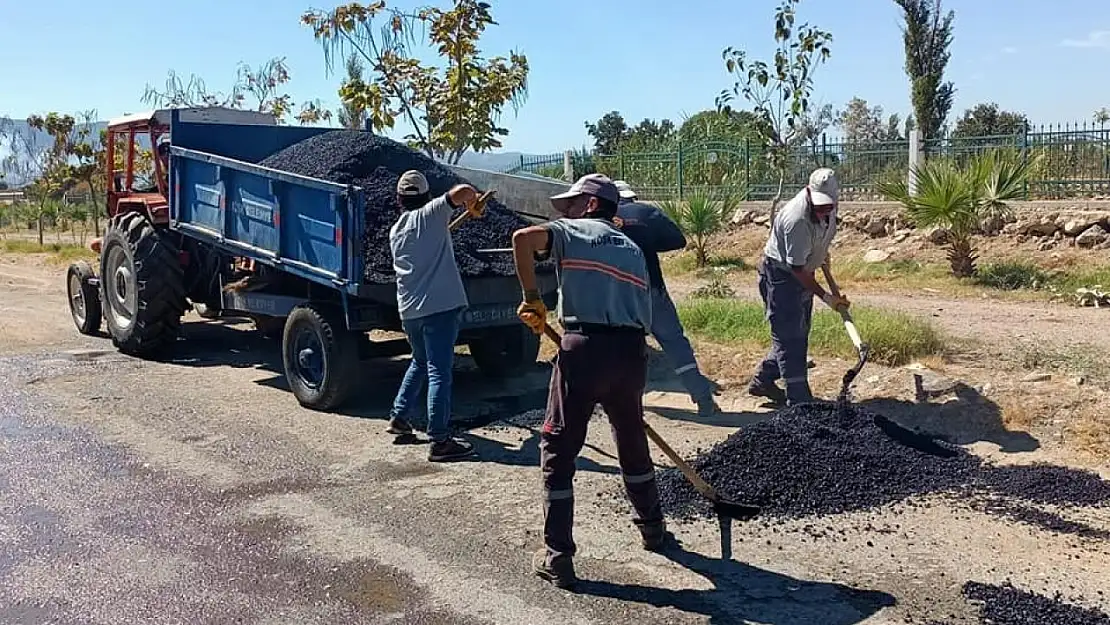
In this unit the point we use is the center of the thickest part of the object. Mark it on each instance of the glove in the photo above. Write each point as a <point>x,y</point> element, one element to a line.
<point>836,302</point>
<point>533,312</point>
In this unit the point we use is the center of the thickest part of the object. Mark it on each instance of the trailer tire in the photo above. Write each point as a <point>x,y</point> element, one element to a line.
<point>84,298</point>
<point>320,357</point>
<point>506,350</point>
<point>142,286</point>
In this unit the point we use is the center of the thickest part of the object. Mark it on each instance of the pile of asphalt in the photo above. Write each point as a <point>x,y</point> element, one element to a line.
<point>821,459</point>
<point>1007,605</point>
<point>375,163</point>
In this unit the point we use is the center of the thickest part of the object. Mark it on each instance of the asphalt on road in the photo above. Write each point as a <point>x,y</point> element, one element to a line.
<point>197,491</point>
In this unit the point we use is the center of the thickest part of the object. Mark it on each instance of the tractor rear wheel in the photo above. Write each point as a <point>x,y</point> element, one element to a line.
<point>84,297</point>
<point>505,350</point>
<point>141,286</point>
<point>320,357</point>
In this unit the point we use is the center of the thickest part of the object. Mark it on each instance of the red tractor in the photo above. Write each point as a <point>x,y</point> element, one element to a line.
<point>148,274</point>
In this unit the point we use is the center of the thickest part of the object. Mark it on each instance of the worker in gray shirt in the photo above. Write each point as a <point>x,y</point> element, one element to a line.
<point>431,300</point>
<point>605,310</point>
<point>798,245</point>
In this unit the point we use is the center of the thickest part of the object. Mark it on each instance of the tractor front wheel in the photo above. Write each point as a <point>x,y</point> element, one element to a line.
<point>84,298</point>
<point>320,357</point>
<point>141,286</point>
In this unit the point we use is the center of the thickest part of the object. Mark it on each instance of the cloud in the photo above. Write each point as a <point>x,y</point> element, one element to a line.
<point>1095,39</point>
<point>1009,50</point>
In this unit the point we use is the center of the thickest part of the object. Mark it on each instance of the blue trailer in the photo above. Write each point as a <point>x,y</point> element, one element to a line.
<point>213,219</point>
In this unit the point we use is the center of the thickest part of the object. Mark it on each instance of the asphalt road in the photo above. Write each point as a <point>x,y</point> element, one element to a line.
<point>197,491</point>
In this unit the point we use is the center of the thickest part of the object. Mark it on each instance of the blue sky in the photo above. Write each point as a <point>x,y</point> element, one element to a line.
<point>661,59</point>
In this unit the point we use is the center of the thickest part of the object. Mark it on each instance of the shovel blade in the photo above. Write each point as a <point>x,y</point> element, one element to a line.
<point>734,510</point>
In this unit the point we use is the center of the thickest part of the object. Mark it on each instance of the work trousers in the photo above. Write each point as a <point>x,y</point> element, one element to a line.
<point>789,309</point>
<point>667,329</point>
<point>607,368</point>
<point>433,358</point>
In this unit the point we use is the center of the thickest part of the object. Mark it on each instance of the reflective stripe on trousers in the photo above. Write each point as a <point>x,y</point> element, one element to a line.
<point>789,310</point>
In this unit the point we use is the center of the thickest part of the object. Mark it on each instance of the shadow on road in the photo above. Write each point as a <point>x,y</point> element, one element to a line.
<point>968,418</point>
<point>742,593</point>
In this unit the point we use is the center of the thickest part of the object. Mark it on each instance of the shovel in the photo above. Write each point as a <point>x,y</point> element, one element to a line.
<point>474,210</point>
<point>850,326</point>
<point>723,508</point>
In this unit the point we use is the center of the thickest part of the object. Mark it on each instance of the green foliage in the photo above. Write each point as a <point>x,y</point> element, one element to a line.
<point>611,134</point>
<point>452,109</point>
<point>927,35</point>
<point>701,216</point>
<point>265,85</point>
<point>717,288</point>
<point>895,338</point>
<point>987,120</point>
<point>352,115</point>
<point>863,124</point>
<point>960,199</point>
<point>1012,275</point>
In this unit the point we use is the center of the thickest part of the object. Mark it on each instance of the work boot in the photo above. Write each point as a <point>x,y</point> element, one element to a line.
<point>770,392</point>
<point>653,536</point>
<point>707,407</point>
<point>560,573</point>
<point>399,426</point>
<point>449,449</point>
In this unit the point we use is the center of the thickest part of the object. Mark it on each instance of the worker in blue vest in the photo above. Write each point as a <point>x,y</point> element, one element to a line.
<point>654,232</point>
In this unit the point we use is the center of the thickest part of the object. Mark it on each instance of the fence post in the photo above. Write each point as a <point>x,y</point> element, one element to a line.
<point>916,158</point>
<point>568,166</point>
<point>748,165</point>
<point>824,150</point>
<point>680,170</point>
<point>620,166</point>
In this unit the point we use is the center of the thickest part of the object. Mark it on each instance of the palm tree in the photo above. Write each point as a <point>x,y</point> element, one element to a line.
<point>702,215</point>
<point>959,200</point>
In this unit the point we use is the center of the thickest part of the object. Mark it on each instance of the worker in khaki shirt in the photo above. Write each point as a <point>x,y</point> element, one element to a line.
<point>798,245</point>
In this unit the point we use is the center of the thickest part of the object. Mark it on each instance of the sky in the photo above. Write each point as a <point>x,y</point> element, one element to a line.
<point>644,58</point>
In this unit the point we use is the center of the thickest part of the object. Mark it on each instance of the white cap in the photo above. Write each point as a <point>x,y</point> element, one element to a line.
<point>412,182</point>
<point>823,187</point>
<point>624,189</point>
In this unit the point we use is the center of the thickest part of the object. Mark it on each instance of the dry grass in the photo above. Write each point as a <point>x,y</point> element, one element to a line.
<point>57,253</point>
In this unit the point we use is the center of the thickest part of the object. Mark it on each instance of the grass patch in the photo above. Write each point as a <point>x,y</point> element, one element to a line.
<point>895,338</point>
<point>1012,275</point>
<point>1076,359</point>
<point>1071,279</point>
<point>685,262</point>
<point>59,252</point>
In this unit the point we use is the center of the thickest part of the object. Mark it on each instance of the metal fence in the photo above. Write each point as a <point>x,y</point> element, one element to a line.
<point>1074,162</point>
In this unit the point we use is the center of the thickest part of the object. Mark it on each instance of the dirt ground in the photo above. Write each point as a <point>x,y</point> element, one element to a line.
<point>219,482</point>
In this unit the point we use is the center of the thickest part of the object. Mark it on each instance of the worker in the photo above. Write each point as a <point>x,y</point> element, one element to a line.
<point>798,245</point>
<point>605,311</point>
<point>654,232</point>
<point>430,300</point>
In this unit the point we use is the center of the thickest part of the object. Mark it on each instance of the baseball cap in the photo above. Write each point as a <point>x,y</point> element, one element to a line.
<point>411,183</point>
<point>823,186</point>
<point>624,189</point>
<point>597,185</point>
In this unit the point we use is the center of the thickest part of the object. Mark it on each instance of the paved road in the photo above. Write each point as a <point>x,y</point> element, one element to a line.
<point>197,491</point>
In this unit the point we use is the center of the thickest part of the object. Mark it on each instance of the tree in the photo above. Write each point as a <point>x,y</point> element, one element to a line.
<point>959,200</point>
<point>45,165</point>
<point>863,124</point>
<point>927,35</point>
<point>450,109</point>
<point>264,85</point>
<point>353,114</point>
<point>701,216</point>
<point>737,127</point>
<point>779,91</point>
<point>1102,115</point>
<point>90,154</point>
<point>986,119</point>
<point>608,132</point>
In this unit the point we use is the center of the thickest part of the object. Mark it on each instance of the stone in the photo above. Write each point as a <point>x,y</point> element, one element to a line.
<point>1046,246</point>
<point>743,217</point>
<point>936,235</point>
<point>761,220</point>
<point>1037,377</point>
<point>928,384</point>
<point>875,227</point>
<point>876,256</point>
<point>1091,237</point>
<point>1074,227</point>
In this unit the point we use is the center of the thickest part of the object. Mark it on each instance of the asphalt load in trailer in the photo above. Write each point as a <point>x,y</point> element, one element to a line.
<point>375,164</point>
<point>818,459</point>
